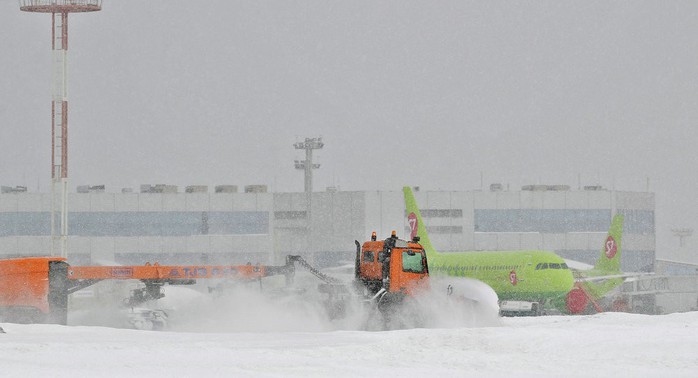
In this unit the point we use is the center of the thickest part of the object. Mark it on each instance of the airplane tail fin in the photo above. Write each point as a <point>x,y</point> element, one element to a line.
<point>609,260</point>
<point>415,222</point>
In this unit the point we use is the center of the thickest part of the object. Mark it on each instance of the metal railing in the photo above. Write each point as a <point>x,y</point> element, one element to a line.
<point>24,3</point>
<point>60,5</point>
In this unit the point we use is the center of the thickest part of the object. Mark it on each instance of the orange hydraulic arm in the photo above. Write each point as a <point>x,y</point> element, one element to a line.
<point>168,272</point>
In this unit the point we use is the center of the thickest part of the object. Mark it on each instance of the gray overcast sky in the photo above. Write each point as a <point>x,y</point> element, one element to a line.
<point>429,93</point>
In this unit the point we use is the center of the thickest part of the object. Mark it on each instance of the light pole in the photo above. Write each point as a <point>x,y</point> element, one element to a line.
<point>307,165</point>
<point>682,233</point>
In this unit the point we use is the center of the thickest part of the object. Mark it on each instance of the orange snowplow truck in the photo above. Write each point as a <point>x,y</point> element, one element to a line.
<point>391,270</point>
<point>36,289</point>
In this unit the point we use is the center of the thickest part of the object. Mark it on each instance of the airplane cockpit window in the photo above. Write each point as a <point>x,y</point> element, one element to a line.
<point>564,266</point>
<point>544,266</point>
<point>554,266</point>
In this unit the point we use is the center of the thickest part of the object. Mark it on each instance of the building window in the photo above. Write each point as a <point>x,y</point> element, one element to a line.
<point>440,230</point>
<point>155,223</point>
<point>542,220</point>
<point>440,213</point>
<point>553,221</point>
<point>290,215</point>
<point>638,221</point>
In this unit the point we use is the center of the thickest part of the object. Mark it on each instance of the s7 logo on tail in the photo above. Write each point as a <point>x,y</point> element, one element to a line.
<point>413,222</point>
<point>611,247</point>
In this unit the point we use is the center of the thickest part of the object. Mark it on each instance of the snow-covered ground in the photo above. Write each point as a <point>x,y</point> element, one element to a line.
<point>610,344</point>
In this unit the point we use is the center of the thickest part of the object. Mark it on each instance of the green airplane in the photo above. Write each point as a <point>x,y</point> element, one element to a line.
<point>526,281</point>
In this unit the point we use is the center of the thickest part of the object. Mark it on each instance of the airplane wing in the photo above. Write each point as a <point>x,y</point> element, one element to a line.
<point>577,265</point>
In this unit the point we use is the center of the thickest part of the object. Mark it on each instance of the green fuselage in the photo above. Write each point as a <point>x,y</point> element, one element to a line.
<point>536,276</point>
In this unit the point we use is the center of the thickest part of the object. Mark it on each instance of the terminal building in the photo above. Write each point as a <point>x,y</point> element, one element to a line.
<point>229,226</point>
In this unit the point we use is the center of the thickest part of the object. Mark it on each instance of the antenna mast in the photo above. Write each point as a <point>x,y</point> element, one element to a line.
<point>59,10</point>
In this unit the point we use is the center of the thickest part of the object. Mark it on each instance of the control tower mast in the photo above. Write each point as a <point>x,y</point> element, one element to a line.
<point>59,10</point>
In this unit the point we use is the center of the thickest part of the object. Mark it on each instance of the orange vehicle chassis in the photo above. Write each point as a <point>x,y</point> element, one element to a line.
<point>36,289</point>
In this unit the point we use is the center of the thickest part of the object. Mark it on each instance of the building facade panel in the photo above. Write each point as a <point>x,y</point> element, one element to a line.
<point>32,246</point>
<point>553,242</point>
<point>599,199</point>
<point>392,213</point>
<point>101,250</point>
<point>220,202</point>
<point>174,202</point>
<point>485,200</point>
<point>196,243</point>
<point>373,208</point>
<point>438,200</point>
<point>150,201</point>
<point>504,200</point>
<point>126,202</point>
<point>462,200</point>
<point>35,202</point>
<point>221,244</point>
<point>9,246</point>
<point>267,226</point>
<point>101,201</point>
<point>177,245</point>
<point>246,201</point>
<point>152,244</point>
<point>298,201</point>
<point>555,200</point>
<point>9,202</point>
<point>576,200</point>
<point>323,221</point>
<point>125,245</point>
<point>579,240</point>
<point>263,201</point>
<point>482,242</point>
<point>82,246</point>
<point>358,214</point>
<point>283,202</point>
<point>509,241</point>
<point>197,202</point>
<point>78,202</point>
<point>531,199</point>
<point>638,242</point>
<point>634,200</point>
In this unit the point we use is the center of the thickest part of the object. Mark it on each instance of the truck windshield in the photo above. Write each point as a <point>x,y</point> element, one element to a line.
<point>412,262</point>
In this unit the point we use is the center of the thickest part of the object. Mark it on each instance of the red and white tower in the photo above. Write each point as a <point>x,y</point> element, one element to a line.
<point>59,10</point>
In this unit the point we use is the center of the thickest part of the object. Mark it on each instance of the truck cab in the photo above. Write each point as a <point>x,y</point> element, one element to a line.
<point>393,265</point>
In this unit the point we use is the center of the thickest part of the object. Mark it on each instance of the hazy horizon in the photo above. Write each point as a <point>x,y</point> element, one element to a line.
<point>449,95</point>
